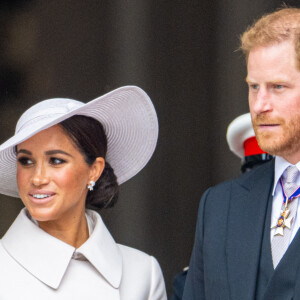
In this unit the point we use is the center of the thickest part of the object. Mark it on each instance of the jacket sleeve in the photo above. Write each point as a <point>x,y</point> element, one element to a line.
<point>194,285</point>
<point>157,289</point>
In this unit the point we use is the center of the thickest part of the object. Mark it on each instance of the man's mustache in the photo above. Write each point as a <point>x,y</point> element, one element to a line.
<point>263,119</point>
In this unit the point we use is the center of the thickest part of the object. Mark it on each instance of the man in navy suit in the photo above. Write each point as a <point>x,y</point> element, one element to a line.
<point>242,142</point>
<point>247,244</point>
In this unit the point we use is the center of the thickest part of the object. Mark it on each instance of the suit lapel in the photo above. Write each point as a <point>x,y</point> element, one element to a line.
<point>247,214</point>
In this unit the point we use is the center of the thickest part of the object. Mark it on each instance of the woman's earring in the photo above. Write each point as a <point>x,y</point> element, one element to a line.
<point>91,185</point>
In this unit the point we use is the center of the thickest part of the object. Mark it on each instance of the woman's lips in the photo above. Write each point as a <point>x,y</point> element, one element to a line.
<point>41,197</point>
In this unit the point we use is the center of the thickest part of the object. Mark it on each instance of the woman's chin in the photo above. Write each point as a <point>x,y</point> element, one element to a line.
<point>42,214</point>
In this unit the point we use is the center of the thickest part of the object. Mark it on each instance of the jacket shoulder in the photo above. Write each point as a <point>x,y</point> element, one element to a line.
<point>142,275</point>
<point>218,197</point>
<point>249,178</point>
<point>138,260</point>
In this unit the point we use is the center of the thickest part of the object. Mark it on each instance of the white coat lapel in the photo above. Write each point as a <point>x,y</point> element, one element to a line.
<point>44,256</point>
<point>48,258</point>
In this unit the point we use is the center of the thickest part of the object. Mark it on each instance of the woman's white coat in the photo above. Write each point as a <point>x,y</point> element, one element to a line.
<point>35,265</point>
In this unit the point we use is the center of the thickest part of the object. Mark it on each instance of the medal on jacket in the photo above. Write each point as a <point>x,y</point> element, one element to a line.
<point>284,220</point>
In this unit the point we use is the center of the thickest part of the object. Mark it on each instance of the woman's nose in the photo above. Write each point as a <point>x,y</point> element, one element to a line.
<point>40,176</point>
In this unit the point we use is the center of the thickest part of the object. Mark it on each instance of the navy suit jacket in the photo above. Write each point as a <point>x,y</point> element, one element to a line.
<point>226,254</point>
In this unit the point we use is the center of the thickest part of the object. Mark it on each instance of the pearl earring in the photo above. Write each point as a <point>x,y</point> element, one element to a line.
<point>91,185</point>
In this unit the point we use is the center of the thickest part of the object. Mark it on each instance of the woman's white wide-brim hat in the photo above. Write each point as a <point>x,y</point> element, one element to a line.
<point>127,115</point>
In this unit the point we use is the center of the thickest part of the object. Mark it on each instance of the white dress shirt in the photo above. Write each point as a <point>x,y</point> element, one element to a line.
<point>280,166</point>
<point>35,265</point>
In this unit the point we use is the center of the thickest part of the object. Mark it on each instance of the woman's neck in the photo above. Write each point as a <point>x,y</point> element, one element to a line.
<point>73,231</point>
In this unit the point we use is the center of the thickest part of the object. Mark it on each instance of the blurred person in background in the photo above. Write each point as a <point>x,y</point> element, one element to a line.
<point>243,143</point>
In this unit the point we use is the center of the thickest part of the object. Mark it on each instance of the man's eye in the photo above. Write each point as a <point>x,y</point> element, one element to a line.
<point>56,161</point>
<point>278,86</point>
<point>25,161</point>
<point>254,87</point>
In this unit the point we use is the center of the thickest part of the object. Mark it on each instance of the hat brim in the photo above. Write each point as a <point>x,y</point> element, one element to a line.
<point>130,123</point>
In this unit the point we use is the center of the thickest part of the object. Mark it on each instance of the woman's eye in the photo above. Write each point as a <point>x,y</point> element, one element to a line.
<point>56,161</point>
<point>25,161</point>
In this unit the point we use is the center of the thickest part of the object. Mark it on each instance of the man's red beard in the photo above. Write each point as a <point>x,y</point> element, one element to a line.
<point>284,140</point>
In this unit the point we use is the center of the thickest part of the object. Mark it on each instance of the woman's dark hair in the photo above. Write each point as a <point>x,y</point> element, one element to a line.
<point>89,137</point>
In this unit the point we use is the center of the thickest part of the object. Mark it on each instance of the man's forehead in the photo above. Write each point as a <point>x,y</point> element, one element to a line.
<point>277,80</point>
<point>272,60</point>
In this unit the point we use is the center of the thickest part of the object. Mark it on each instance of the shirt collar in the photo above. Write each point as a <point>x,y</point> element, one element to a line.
<point>280,166</point>
<point>47,258</point>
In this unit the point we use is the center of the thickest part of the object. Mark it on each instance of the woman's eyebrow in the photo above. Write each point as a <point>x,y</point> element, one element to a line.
<point>52,152</point>
<point>24,151</point>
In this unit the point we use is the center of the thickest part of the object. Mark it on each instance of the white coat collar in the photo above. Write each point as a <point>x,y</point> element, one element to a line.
<point>47,258</point>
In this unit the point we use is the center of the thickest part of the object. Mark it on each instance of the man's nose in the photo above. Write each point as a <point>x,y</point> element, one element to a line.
<point>263,101</point>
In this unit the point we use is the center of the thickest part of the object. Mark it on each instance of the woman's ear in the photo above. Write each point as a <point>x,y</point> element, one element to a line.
<point>97,168</point>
